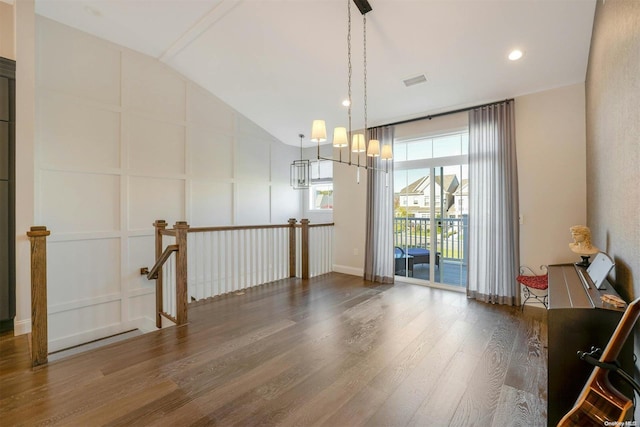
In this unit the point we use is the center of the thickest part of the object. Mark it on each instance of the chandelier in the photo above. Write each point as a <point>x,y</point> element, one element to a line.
<point>300,171</point>
<point>356,144</point>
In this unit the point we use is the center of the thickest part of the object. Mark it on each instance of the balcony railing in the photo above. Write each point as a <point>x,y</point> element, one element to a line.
<point>450,235</point>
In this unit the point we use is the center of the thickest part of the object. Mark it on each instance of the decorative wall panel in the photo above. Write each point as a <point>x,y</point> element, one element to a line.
<point>73,202</point>
<point>154,198</point>
<point>212,153</point>
<point>82,270</point>
<point>211,203</point>
<point>77,64</point>
<point>154,146</point>
<point>78,136</point>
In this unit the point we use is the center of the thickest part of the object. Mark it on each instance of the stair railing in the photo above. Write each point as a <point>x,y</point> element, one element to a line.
<point>232,258</point>
<point>171,290</point>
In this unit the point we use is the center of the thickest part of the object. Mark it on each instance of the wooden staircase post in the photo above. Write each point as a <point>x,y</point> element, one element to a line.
<point>292,247</point>
<point>181,228</point>
<point>304,242</point>
<point>39,336</point>
<point>159,226</point>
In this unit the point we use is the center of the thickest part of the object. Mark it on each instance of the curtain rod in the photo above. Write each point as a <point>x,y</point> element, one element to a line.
<point>446,113</point>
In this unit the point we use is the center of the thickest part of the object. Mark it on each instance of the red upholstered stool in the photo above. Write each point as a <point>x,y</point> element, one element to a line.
<point>538,282</point>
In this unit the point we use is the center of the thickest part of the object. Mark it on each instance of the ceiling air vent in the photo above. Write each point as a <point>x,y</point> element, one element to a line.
<point>415,80</point>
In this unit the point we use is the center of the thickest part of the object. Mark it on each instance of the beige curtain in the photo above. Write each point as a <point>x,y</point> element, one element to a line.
<point>494,238</point>
<point>379,262</point>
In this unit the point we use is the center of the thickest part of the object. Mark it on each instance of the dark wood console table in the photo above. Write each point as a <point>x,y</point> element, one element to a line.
<point>578,320</point>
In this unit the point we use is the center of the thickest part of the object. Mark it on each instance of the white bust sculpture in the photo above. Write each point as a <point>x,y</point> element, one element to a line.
<point>582,241</point>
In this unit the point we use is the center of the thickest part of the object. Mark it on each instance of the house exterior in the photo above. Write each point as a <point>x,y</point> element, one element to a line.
<point>416,197</point>
<point>460,204</point>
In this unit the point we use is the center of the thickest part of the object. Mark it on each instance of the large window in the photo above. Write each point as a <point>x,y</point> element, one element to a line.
<point>431,207</point>
<point>321,189</point>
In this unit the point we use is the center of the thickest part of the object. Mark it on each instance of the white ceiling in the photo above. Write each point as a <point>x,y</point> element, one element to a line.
<point>283,63</point>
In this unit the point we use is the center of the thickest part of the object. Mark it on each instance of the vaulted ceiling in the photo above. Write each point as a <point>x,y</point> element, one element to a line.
<point>283,63</point>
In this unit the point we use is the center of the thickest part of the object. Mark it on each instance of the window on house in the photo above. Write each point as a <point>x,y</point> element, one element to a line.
<point>321,189</point>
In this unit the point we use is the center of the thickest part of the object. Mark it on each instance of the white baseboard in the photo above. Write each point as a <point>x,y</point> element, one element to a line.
<point>345,269</point>
<point>21,327</point>
<point>146,324</point>
<point>95,334</point>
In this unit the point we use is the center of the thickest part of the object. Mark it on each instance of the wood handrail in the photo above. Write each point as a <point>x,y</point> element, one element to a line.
<point>236,228</point>
<point>324,224</point>
<point>153,273</point>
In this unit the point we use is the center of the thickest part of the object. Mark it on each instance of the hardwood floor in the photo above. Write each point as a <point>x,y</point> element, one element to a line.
<point>331,351</point>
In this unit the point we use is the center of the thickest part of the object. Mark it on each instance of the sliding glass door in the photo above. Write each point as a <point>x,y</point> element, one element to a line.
<point>431,209</point>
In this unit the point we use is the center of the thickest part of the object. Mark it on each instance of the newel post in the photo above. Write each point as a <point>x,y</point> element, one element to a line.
<point>292,247</point>
<point>304,242</point>
<point>159,226</point>
<point>39,338</point>
<point>181,228</point>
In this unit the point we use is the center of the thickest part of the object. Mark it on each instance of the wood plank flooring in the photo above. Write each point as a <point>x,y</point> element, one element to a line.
<point>331,351</point>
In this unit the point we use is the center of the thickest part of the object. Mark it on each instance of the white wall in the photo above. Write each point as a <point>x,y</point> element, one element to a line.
<point>550,138</point>
<point>551,144</point>
<point>25,158</point>
<point>122,140</point>
<point>349,210</point>
<point>7,31</point>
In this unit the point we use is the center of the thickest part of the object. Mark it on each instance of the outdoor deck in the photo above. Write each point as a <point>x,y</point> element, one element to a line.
<point>451,273</point>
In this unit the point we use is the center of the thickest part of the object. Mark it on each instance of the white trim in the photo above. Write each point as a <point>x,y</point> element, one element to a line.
<point>90,335</point>
<point>83,303</point>
<point>22,327</point>
<point>345,269</point>
<point>145,324</point>
<point>428,284</point>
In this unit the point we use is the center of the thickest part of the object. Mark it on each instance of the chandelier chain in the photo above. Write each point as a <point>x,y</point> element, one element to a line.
<point>364,24</point>
<point>354,142</point>
<point>349,69</point>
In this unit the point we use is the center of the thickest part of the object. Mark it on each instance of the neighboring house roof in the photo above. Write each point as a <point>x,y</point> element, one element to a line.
<point>464,187</point>
<point>449,183</point>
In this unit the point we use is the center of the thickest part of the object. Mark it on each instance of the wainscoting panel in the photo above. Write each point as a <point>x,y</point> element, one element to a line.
<point>252,206</point>
<point>121,141</point>
<point>212,153</point>
<point>155,198</point>
<point>143,136</point>
<point>211,203</point>
<point>151,87</point>
<point>82,269</point>
<point>252,159</point>
<point>205,109</point>
<point>77,135</point>
<point>140,251</point>
<point>79,202</point>
<point>84,324</point>
<point>74,63</point>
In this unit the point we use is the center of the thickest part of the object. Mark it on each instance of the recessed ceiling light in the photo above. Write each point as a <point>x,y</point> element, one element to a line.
<point>346,103</point>
<point>515,54</point>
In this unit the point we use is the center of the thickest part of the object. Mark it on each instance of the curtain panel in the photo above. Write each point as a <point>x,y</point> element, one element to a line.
<point>378,261</point>
<point>494,239</point>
